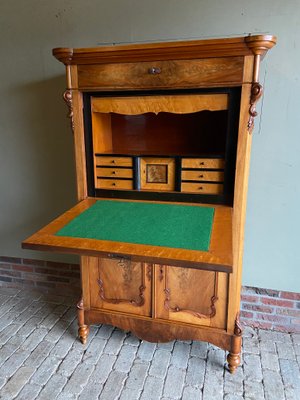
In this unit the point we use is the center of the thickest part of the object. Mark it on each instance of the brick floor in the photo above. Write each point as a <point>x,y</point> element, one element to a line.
<point>40,358</point>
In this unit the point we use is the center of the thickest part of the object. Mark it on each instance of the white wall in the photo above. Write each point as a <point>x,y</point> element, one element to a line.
<point>37,167</point>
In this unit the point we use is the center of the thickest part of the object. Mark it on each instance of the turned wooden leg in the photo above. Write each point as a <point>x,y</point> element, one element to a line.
<point>233,362</point>
<point>83,330</point>
<point>234,357</point>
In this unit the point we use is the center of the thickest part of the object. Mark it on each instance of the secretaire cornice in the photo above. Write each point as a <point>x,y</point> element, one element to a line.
<point>191,49</point>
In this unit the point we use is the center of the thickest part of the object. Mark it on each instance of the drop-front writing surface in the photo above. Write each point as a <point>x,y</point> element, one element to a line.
<point>163,122</point>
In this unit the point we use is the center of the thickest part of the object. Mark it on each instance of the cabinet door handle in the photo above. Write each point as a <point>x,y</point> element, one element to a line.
<point>154,70</point>
<point>200,187</point>
<point>200,176</point>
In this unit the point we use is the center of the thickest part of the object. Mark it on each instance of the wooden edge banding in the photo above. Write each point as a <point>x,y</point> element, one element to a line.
<point>218,258</point>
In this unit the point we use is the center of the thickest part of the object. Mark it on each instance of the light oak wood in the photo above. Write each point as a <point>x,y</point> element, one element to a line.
<point>207,188</point>
<point>113,161</point>
<point>114,184</point>
<point>209,163</point>
<point>114,172</point>
<point>239,211</point>
<point>216,176</point>
<point>179,104</point>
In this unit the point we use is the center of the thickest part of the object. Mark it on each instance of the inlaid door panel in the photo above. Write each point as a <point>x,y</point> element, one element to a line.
<point>121,285</point>
<point>191,296</point>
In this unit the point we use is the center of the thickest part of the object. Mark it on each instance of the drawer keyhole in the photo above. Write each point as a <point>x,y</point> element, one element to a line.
<point>154,70</point>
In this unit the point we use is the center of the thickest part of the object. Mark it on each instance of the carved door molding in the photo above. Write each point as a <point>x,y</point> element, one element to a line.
<point>176,308</point>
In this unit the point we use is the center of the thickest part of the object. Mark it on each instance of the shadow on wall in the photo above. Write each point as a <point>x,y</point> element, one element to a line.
<point>39,162</point>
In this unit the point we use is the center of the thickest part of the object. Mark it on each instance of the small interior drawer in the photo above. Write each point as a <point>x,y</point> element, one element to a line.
<point>205,188</point>
<point>114,172</point>
<point>205,163</point>
<point>113,161</point>
<point>125,184</point>
<point>213,176</point>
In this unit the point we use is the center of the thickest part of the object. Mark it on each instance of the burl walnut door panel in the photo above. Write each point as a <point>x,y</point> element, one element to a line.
<point>191,296</point>
<point>119,284</point>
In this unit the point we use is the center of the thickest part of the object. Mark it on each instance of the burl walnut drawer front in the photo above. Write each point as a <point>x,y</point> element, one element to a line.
<point>114,184</point>
<point>111,161</point>
<point>161,74</point>
<point>115,172</point>
<point>214,176</point>
<point>205,188</point>
<point>205,163</point>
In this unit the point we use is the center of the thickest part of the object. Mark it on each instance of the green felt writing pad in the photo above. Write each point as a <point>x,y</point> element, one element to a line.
<point>168,225</point>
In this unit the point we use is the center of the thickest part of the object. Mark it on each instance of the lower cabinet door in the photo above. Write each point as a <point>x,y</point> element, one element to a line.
<point>191,296</point>
<point>118,284</point>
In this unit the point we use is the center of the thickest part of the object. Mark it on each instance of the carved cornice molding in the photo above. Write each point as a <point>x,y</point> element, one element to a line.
<point>224,47</point>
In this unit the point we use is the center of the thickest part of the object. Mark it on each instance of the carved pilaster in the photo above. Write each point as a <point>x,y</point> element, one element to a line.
<point>68,98</point>
<point>256,93</point>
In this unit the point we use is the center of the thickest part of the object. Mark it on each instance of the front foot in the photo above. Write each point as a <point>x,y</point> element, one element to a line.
<point>234,361</point>
<point>83,332</point>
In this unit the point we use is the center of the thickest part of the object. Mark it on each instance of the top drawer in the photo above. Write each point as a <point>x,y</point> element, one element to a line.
<point>162,74</point>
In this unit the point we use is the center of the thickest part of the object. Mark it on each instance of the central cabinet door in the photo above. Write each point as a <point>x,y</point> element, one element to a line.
<point>190,295</point>
<point>118,284</point>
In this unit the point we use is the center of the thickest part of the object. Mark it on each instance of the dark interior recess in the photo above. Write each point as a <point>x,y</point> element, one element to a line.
<point>170,134</point>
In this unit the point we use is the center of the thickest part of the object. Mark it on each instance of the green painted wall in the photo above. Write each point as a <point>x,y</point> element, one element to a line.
<point>37,166</point>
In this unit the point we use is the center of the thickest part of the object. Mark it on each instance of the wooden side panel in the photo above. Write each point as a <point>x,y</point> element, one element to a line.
<point>210,72</point>
<point>191,296</point>
<point>120,285</point>
<point>239,207</point>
